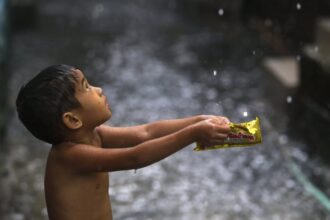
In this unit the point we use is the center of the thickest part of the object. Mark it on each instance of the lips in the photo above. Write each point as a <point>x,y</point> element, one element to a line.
<point>106,102</point>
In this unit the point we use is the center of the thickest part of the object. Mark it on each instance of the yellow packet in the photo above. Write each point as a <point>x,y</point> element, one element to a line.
<point>240,135</point>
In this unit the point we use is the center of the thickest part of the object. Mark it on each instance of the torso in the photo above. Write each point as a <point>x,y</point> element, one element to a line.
<point>71,195</point>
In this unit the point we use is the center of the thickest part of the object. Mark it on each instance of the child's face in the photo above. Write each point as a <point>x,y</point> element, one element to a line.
<point>95,108</point>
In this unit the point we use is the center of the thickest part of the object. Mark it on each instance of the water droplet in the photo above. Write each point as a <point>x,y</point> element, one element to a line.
<point>254,52</point>
<point>316,49</point>
<point>298,6</point>
<point>245,114</point>
<point>283,139</point>
<point>298,57</point>
<point>221,12</point>
<point>289,99</point>
<point>215,72</point>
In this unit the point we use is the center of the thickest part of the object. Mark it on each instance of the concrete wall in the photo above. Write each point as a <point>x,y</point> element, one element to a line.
<point>23,13</point>
<point>294,20</point>
<point>202,9</point>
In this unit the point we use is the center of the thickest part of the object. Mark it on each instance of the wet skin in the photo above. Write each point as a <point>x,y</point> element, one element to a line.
<point>77,181</point>
<point>72,194</point>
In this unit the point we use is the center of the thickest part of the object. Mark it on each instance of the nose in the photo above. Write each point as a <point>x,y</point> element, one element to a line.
<point>99,90</point>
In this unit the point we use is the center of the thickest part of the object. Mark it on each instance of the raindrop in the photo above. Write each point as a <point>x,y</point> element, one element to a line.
<point>298,6</point>
<point>289,99</point>
<point>245,114</point>
<point>283,139</point>
<point>316,49</point>
<point>254,52</point>
<point>215,72</point>
<point>298,57</point>
<point>221,12</point>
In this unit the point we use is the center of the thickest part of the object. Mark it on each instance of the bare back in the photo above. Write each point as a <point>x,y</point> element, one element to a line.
<point>71,195</point>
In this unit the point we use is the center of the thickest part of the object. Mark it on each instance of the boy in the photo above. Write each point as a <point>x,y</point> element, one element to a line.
<point>60,107</point>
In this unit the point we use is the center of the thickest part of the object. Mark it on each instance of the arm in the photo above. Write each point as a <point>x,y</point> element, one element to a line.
<point>165,127</point>
<point>134,135</point>
<point>86,158</point>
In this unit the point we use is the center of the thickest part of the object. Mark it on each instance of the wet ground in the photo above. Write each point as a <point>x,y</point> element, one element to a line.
<point>156,62</point>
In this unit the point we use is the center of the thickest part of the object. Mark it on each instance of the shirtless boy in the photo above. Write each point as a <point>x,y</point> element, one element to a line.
<point>60,107</point>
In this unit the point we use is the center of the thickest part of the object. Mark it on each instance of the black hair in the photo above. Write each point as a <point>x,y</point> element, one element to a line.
<point>43,100</point>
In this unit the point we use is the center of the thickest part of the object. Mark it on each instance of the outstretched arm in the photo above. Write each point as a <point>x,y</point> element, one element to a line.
<point>165,127</point>
<point>86,158</point>
<point>134,135</point>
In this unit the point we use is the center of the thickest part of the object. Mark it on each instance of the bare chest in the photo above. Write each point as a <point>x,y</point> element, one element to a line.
<point>78,195</point>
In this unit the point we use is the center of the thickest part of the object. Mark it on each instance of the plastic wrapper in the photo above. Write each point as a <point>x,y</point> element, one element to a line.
<point>240,135</point>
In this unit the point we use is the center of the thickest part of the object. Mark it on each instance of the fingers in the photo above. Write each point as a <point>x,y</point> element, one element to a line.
<point>225,120</point>
<point>222,128</point>
<point>221,120</point>
<point>221,133</point>
<point>217,138</point>
<point>215,130</point>
<point>220,136</point>
<point>217,119</point>
<point>212,143</point>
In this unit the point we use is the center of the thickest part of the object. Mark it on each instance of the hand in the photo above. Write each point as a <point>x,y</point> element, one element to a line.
<point>212,130</point>
<point>220,119</point>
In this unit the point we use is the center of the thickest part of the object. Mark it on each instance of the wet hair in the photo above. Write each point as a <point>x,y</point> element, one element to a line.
<point>43,100</point>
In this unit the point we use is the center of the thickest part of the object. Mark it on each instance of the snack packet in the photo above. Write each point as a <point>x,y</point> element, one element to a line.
<point>240,135</point>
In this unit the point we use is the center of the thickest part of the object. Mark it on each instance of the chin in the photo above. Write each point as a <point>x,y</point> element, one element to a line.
<point>109,116</point>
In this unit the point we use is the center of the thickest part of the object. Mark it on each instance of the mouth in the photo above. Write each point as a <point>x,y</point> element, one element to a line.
<point>106,102</point>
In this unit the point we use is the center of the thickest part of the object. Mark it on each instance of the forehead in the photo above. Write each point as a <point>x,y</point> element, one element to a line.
<point>79,80</point>
<point>79,74</point>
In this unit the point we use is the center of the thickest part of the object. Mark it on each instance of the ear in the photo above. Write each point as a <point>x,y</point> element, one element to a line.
<point>71,120</point>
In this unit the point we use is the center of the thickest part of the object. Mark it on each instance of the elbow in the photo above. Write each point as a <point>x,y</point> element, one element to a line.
<point>141,162</point>
<point>137,160</point>
<point>144,157</point>
<point>147,134</point>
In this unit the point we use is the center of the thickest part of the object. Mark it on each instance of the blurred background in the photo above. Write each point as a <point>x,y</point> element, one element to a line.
<point>168,59</point>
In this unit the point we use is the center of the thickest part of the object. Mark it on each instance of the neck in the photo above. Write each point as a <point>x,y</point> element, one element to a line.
<point>84,136</point>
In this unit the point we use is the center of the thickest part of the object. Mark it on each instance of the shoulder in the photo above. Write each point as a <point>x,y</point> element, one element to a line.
<point>74,157</point>
<point>58,158</point>
<point>62,147</point>
<point>101,132</point>
<point>59,151</point>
